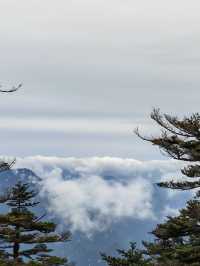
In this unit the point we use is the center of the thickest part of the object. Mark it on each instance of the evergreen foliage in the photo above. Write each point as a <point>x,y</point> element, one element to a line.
<point>23,235</point>
<point>131,257</point>
<point>177,241</point>
<point>180,140</point>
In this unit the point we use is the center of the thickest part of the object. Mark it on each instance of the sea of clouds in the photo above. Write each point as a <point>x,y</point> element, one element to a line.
<point>90,194</point>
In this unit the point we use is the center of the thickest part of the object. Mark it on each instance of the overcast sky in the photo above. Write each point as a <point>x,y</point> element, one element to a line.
<point>92,70</point>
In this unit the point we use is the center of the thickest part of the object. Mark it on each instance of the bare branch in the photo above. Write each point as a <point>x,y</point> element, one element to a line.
<point>11,90</point>
<point>40,218</point>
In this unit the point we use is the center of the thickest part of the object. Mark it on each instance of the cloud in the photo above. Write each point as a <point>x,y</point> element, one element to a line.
<point>91,203</point>
<point>104,166</point>
<point>89,194</point>
<point>94,63</point>
<point>111,200</point>
<point>69,125</point>
<point>169,211</point>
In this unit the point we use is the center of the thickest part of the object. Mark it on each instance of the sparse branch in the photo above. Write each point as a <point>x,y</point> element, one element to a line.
<point>180,140</point>
<point>13,89</point>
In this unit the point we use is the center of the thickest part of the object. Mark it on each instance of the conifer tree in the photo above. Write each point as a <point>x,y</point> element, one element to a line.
<point>20,227</point>
<point>180,140</point>
<point>177,241</point>
<point>23,235</point>
<point>131,257</point>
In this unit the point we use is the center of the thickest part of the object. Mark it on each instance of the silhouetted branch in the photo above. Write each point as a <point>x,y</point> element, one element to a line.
<point>11,90</point>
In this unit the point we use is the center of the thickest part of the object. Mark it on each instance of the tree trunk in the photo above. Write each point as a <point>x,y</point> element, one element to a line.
<point>16,251</point>
<point>16,245</point>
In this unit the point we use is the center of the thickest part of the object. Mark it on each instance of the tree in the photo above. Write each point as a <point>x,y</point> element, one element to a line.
<point>13,89</point>
<point>20,228</point>
<point>131,257</point>
<point>180,140</point>
<point>177,241</point>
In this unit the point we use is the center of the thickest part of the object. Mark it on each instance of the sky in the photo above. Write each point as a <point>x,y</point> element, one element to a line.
<point>91,194</point>
<point>105,202</point>
<point>92,71</point>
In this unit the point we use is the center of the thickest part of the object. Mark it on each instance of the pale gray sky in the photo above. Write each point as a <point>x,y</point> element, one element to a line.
<point>92,70</point>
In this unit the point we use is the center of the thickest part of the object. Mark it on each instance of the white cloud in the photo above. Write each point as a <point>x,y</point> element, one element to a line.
<point>72,125</point>
<point>128,168</point>
<point>89,194</point>
<point>91,203</point>
<point>169,211</point>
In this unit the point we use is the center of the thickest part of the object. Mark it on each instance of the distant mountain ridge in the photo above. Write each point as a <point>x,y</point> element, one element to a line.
<point>114,176</point>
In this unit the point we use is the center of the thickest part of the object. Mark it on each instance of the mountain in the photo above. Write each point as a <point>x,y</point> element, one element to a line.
<point>105,202</point>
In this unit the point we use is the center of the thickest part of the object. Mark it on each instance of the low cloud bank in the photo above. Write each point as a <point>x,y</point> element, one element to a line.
<point>89,194</point>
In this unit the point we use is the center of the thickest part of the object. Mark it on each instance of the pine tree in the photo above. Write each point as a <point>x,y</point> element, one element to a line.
<point>22,227</point>
<point>177,241</point>
<point>131,257</point>
<point>23,235</point>
<point>180,140</point>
